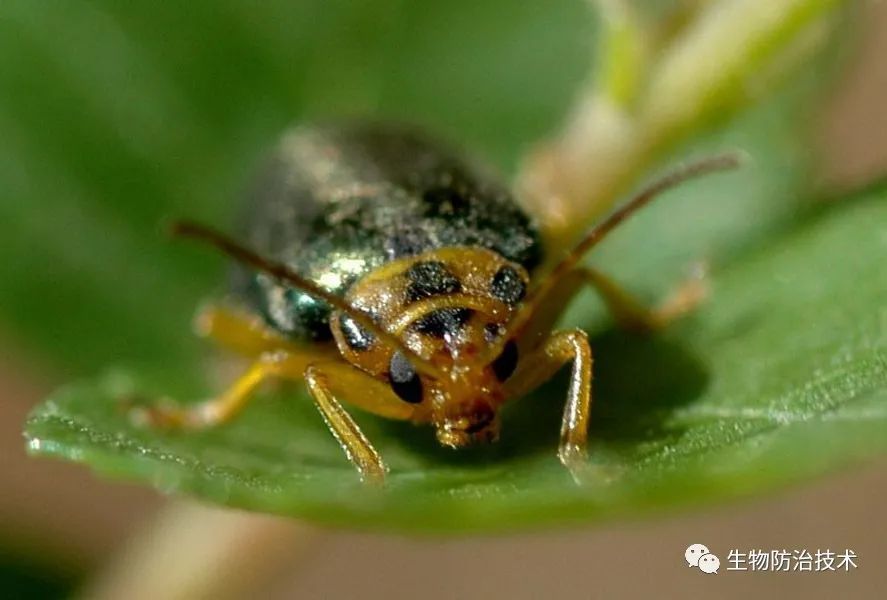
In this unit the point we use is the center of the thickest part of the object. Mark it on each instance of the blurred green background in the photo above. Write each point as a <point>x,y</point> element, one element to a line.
<point>116,116</point>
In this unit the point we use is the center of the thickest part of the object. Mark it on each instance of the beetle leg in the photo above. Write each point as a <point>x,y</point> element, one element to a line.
<point>323,379</point>
<point>236,330</point>
<point>226,406</point>
<point>244,333</point>
<point>362,390</point>
<point>355,444</point>
<point>628,312</point>
<point>632,314</point>
<point>539,366</point>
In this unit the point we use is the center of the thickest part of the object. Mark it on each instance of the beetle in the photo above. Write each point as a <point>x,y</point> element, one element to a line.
<point>392,274</point>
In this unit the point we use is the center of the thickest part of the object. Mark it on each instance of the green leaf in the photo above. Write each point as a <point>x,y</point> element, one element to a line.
<point>781,375</point>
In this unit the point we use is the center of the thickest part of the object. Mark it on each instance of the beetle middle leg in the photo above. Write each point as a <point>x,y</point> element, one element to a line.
<point>629,312</point>
<point>325,380</point>
<point>633,315</point>
<point>228,404</point>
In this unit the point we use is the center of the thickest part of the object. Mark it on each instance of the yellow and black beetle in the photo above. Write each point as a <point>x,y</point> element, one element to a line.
<point>391,274</point>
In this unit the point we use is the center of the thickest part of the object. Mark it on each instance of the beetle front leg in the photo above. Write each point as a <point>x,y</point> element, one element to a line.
<point>539,366</point>
<point>357,447</point>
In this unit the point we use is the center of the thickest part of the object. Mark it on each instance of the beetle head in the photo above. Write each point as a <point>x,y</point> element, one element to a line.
<point>465,407</point>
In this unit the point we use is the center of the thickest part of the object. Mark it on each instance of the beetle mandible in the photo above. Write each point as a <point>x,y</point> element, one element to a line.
<point>391,274</point>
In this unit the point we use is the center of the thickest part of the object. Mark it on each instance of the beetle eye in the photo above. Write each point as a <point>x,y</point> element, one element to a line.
<point>405,381</point>
<point>506,363</point>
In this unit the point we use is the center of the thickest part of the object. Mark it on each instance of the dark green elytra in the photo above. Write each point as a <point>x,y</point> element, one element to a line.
<point>336,202</point>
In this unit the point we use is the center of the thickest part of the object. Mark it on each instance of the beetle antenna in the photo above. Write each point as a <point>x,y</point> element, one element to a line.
<point>704,166</point>
<point>692,170</point>
<point>283,274</point>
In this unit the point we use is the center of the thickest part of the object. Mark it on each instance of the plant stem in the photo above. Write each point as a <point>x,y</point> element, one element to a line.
<point>718,61</point>
<point>191,551</point>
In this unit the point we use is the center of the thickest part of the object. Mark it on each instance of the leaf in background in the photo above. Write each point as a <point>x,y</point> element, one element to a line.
<point>780,376</point>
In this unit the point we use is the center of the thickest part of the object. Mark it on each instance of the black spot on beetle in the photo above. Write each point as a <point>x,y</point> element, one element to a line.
<point>508,286</point>
<point>357,338</point>
<point>403,378</point>
<point>446,320</point>
<point>430,278</point>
